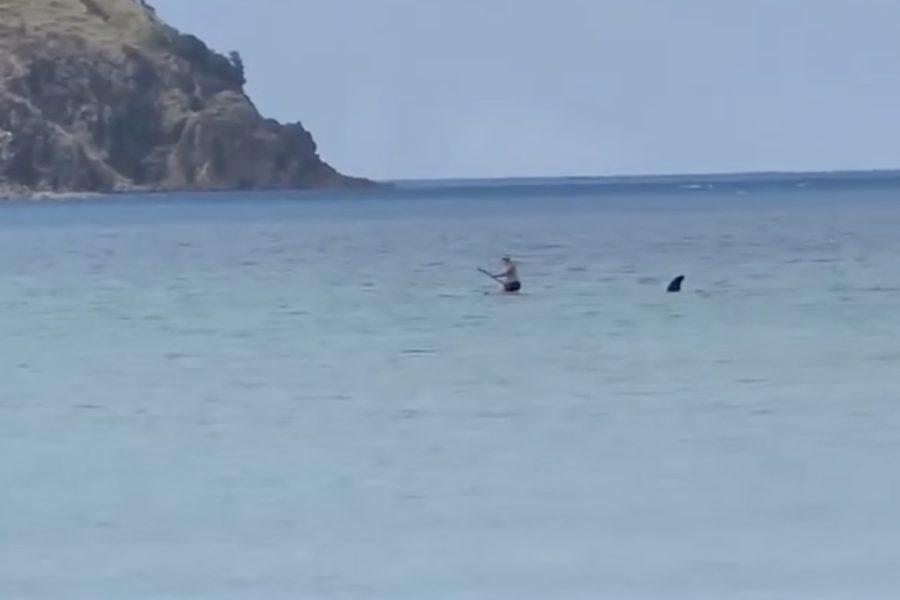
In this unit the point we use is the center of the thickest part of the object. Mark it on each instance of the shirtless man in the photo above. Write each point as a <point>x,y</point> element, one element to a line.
<point>510,276</point>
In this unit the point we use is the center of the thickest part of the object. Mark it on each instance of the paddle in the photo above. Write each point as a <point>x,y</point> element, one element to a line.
<point>491,275</point>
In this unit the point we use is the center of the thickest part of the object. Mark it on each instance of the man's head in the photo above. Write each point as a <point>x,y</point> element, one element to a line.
<point>506,260</point>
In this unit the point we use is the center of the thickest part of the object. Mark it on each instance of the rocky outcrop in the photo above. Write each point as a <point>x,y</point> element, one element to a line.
<point>101,96</point>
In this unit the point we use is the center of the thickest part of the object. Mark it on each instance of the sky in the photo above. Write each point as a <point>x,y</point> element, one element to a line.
<point>416,89</point>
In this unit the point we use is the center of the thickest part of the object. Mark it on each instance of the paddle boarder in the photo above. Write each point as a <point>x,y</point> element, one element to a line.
<point>509,277</point>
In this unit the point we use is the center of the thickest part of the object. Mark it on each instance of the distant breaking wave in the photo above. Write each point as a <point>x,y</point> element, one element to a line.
<point>737,182</point>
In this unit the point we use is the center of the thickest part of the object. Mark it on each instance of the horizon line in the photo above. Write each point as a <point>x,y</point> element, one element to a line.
<point>649,176</point>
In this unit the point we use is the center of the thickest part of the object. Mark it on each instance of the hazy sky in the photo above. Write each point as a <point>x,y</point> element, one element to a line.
<point>471,88</point>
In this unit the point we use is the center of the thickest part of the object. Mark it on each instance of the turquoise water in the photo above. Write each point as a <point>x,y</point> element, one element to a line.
<point>273,397</point>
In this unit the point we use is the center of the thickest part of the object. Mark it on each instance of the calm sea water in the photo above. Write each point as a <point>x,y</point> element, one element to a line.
<point>281,397</point>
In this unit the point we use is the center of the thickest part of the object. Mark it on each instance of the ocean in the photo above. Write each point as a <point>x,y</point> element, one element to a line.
<point>317,395</point>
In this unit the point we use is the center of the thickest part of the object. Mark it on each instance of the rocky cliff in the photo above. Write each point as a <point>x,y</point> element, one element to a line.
<point>102,96</point>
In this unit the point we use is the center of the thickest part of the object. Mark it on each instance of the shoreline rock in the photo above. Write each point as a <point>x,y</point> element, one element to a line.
<point>100,96</point>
